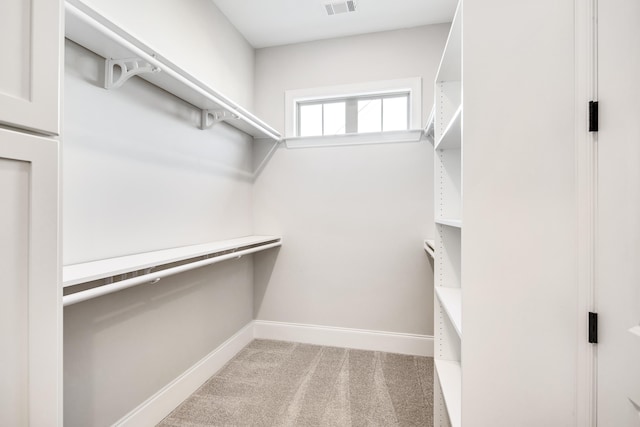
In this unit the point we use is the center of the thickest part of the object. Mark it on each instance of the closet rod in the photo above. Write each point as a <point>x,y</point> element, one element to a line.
<point>151,59</point>
<point>155,277</point>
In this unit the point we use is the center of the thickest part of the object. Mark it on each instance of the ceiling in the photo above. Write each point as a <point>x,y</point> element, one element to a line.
<point>277,22</point>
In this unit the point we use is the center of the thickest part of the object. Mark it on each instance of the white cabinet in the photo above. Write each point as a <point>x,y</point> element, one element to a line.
<point>31,304</point>
<point>31,48</point>
<point>519,238</point>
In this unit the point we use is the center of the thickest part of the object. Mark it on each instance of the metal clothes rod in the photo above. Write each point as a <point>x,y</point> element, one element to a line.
<point>155,277</point>
<point>218,99</point>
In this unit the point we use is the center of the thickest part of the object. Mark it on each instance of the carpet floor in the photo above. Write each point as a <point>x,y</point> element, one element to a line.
<point>276,383</point>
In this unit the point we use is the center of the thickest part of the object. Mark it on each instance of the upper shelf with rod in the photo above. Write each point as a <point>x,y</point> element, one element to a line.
<point>126,56</point>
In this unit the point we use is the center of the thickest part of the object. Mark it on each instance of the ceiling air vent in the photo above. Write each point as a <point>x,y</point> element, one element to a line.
<point>340,7</point>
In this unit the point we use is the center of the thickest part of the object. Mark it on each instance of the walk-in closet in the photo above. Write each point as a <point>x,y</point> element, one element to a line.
<point>319,213</point>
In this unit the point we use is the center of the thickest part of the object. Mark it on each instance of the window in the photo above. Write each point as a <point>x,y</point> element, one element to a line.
<point>361,114</point>
<point>385,111</point>
<point>321,118</point>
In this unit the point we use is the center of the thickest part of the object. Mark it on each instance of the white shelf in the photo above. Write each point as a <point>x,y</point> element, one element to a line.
<point>451,301</point>
<point>429,248</point>
<point>452,136</point>
<point>450,377</point>
<point>91,30</point>
<point>457,223</point>
<point>397,136</point>
<point>90,271</point>
<point>450,68</point>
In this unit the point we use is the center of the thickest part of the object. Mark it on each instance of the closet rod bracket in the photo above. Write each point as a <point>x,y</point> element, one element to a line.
<point>118,71</point>
<point>211,117</point>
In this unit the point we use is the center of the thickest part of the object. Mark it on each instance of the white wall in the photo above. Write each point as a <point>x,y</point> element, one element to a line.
<point>413,52</point>
<point>353,219</point>
<point>138,175</point>
<point>195,35</point>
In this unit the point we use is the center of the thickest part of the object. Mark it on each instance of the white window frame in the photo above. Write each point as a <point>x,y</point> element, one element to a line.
<point>411,85</point>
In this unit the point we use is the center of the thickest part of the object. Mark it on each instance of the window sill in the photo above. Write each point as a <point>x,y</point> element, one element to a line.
<point>414,135</point>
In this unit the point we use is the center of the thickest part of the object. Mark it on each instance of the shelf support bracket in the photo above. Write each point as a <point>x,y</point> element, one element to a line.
<point>211,117</point>
<point>118,71</point>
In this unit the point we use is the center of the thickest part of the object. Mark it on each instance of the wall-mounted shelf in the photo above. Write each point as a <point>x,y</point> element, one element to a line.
<point>131,270</point>
<point>450,379</point>
<point>452,135</point>
<point>457,223</point>
<point>396,136</point>
<point>94,270</point>
<point>451,301</point>
<point>91,30</point>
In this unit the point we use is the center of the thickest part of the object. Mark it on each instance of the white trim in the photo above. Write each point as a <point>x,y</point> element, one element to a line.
<point>586,170</point>
<point>158,406</point>
<point>412,85</point>
<point>355,139</point>
<point>390,342</point>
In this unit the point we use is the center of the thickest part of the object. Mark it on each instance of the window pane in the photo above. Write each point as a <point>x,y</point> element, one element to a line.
<point>310,120</point>
<point>334,118</point>
<point>370,115</point>
<point>395,113</point>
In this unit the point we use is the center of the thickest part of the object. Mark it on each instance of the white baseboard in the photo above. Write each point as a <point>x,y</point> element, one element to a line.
<point>390,342</point>
<point>158,406</point>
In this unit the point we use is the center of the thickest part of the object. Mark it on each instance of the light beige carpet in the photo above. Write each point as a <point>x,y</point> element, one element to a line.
<point>275,383</point>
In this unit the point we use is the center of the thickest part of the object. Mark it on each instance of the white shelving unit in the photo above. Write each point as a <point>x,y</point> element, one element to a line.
<point>448,213</point>
<point>127,56</point>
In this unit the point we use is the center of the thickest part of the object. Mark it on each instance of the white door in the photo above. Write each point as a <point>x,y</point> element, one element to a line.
<point>30,51</point>
<point>618,214</point>
<point>31,300</point>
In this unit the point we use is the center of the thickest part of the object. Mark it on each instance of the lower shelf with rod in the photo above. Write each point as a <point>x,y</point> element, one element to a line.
<point>93,279</point>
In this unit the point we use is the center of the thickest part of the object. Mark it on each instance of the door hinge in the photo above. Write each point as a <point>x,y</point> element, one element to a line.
<point>593,327</point>
<point>593,116</point>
